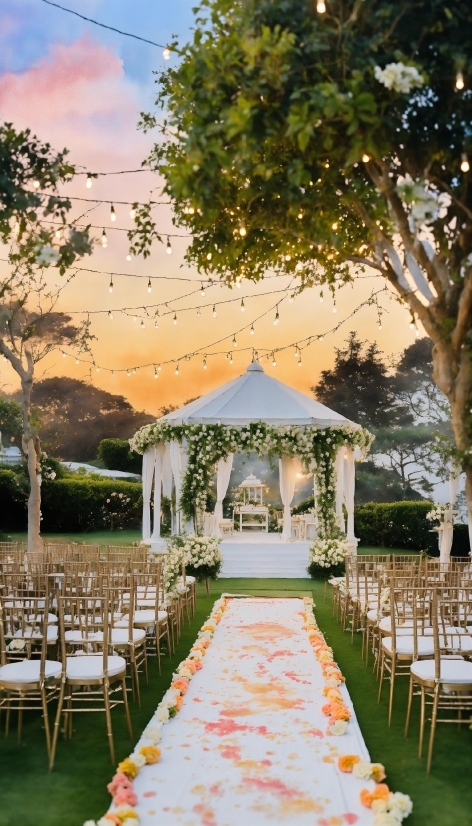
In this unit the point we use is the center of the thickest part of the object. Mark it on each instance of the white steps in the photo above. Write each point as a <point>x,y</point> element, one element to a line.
<point>259,559</point>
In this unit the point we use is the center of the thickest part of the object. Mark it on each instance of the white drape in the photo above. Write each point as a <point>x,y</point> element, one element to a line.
<point>350,487</point>
<point>339,472</point>
<point>156,528</point>
<point>448,525</point>
<point>223,473</point>
<point>287,476</point>
<point>167,473</point>
<point>186,525</point>
<point>149,458</point>
<point>175,462</point>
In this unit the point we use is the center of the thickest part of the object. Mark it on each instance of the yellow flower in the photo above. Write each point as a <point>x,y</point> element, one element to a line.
<point>151,753</point>
<point>128,767</point>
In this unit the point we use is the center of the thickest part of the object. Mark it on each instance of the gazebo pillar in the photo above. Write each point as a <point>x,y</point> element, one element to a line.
<point>350,487</point>
<point>157,543</point>
<point>339,469</point>
<point>149,458</point>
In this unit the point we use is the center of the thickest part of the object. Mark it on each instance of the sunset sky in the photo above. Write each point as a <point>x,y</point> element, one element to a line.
<point>82,87</point>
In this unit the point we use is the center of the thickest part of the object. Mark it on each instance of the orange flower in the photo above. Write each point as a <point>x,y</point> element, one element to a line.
<point>381,792</point>
<point>330,708</point>
<point>151,753</point>
<point>181,685</point>
<point>378,772</point>
<point>339,712</point>
<point>178,703</point>
<point>128,767</point>
<point>366,798</point>
<point>347,762</point>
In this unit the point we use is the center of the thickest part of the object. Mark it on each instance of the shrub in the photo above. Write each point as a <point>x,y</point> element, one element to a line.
<point>116,455</point>
<point>395,525</point>
<point>80,504</point>
<point>13,499</point>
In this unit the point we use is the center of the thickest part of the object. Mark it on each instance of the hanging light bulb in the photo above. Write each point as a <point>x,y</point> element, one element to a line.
<point>159,367</point>
<point>36,184</point>
<point>321,7</point>
<point>156,325</point>
<point>64,355</point>
<point>166,53</point>
<point>335,309</point>
<point>242,231</point>
<point>465,166</point>
<point>291,299</point>
<point>104,239</point>
<point>110,287</point>
<point>149,286</point>
<point>277,317</point>
<point>202,290</point>
<point>235,343</point>
<point>417,333</point>
<point>230,358</point>
<point>274,363</point>
<point>97,369</point>
<point>321,297</point>
<point>242,305</point>
<point>128,257</point>
<point>459,80</point>
<point>204,362</point>
<point>142,323</point>
<point>198,312</point>
<point>300,361</point>
<point>133,371</point>
<point>132,212</point>
<point>77,361</point>
<point>88,182</point>
<point>135,318</point>
<point>168,247</point>
<point>366,157</point>
<point>175,318</point>
<point>380,323</point>
<point>128,373</point>
<point>297,353</point>
<point>110,315</point>
<point>58,233</point>
<point>112,372</point>
<point>320,338</point>
<point>214,311</point>
<point>112,213</point>
<point>252,330</point>
<point>156,374</point>
<point>176,371</point>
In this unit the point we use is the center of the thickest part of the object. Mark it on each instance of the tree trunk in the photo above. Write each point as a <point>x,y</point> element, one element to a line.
<point>32,451</point>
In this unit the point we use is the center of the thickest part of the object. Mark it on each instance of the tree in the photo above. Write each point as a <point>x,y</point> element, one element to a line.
<point>116,455</point>
<point>360,388</point>
<point>10,420</point>
<point>75,416</point>
<point>320,145</point>
<point>30,326</point>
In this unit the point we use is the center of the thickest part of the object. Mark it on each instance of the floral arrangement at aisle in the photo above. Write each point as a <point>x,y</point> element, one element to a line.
<point>327,557</point>
<point>172,568</point>
<point>202,557</point>
<point>207,444</point>
<point>146,751</point>
<point>390,808</point>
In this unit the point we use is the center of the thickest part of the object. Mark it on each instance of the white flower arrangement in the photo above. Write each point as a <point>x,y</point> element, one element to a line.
<point>202,552</point>
<point>328,553</point>
<point>442,513</point>
<point>399,77</point>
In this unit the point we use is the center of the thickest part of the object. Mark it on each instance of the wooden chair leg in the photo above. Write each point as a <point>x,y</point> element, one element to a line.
<point>126,704</point>
<point>433,729</point>
<point>57,724</point>
<point>106,697</point>
<point>410,702</point>
<point>422,720</point>
<point>392,688</point>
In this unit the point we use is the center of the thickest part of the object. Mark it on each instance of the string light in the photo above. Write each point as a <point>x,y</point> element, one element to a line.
<point>366,157</point>
<point>321,7</point>
<point>128,373</point>
<point>112,213</point>
<point>300,361</point>
<point>198,312</point>
<point>274,363</point>
<point>166,53</point>
<point>176,371</point>
<point>110,315</point>
<point>235,343</point>
<point>104,238</point>
<point>230,358</point>
<point>277,317</point>
<point>58,233</point>
<point>88,182</point>
<point>156,374</point>
<point>321,297</point>
<point>128,257</point>
<point>459,80</point>
<point>242,231</point>
<point>97,369</point>
<point>149,287</point>
<point>242,305</point>
<point>159,367</point>
<point>64,355</point>
<point>77,361</point>
<point>135,318</point>
<point>142,323</point>
<point>291,299</point>
<point>214,311</point>
<point>36,184</point>
<point>202,290</point>
<point>252,330</point>
<point>297,354</point>
<point>132,212</point>
<point>112,373</point>
<point>168,246</point>
<point>465,166</point>
<point>335,309</point>
<point>204,362</point>
<point>110,288</point>
<point>156,324</point>
<point>175,318</point>
<point>320,338</point>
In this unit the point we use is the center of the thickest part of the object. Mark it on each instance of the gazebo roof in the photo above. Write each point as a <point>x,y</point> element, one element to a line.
<point>255,397</point>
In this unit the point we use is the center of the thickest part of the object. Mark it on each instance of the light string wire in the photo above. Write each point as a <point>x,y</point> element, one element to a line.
<point>299,344</point>
<point>105,26</point>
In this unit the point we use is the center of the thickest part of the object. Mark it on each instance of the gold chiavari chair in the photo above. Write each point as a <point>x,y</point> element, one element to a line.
<point>445,682</point>
<point>92,681</point>
<point>134,553</point>
<point>410,617</point>
<point>28,679</point>
<point>128,640</point>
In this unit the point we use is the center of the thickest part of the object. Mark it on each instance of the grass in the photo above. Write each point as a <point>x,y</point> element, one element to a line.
<point>76,790</point>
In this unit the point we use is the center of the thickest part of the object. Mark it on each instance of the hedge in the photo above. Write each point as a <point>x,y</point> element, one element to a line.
<point>68,505</point>
<point>403,525</point>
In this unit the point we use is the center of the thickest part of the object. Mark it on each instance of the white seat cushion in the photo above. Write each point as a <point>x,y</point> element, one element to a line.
<point>119,636</point>
<point>89,667</point>
<point>142,617</point>
<point>405,645</point>
<point>27,671</point>
<point>452,671</point>
<point>28,633</point>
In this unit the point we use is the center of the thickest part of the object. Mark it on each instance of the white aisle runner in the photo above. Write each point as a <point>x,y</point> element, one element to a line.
<point>249,745</point>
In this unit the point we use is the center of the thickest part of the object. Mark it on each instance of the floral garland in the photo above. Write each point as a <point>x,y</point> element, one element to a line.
<point>146,751</point>
<point>390,808</point>
<point>207,444</point>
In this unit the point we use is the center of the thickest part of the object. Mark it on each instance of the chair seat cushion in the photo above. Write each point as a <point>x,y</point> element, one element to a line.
<point>119,636</point>
<point>142,617</point>
<point>405,645</point>
<point>452,671</point>
<point>28,633</point>
<point>27,671</point>
<point>89,667</point>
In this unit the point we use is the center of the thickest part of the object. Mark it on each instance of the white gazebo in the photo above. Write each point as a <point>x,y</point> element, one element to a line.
<point>254,397</point>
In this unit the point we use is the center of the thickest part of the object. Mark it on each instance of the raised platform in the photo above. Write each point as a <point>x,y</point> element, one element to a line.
<point>261,555</point>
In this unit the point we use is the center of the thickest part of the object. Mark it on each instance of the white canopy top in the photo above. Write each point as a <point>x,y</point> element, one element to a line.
<point>255,397</point>
<point>252,482</point>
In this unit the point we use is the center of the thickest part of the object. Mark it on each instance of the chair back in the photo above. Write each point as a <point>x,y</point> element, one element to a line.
<point>23,630</point>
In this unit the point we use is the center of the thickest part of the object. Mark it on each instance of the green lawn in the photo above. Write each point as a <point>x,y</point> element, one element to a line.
<point>76,790</point>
